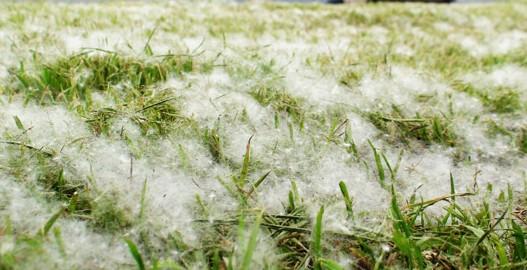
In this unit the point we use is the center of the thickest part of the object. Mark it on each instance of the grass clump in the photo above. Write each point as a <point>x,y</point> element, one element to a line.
<point>459,238</point>
<point>503,100</point>
<point>280,100</point>
<point>24,245</point>
<point>107,216</point>
<point>73,79</point>
<point>154,113</point>
<point>82,197</point>
<point>494,129</point>
<point>499,100</point>
<point>214,143</point>
<point>431,129</point>
<point>128,81</point>
<point>518,136</point>
<point>350,78</point>
<point>449,59</point>
<point>159,113</point>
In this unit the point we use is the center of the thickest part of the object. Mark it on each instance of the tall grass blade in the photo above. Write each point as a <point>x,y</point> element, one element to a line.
<point>392,172</point>
<point>348,201</point>
<point>147,48</point>
<point>44,231</point>
<point>251,245</point>
<point>453,200</point>
<point>378,164</point>
<point>452,187</point>
<point>520,252</point>
<point>18,123</point>
<point>330,265</point>
<point>135,254</point>
<point>242,179</point>
<point>143,200</point>
<point>502,254</point>
<point>491,229</point>
<point>258,183</point>
<point>316,244</point>
<point>402,235</point>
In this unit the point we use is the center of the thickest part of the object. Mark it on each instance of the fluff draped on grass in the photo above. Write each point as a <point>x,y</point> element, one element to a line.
<point>371,137</point>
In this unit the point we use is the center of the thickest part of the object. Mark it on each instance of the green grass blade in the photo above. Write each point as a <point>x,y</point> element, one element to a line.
<point>143,200</point>
<point>502,254</point>
<point>392,172</point>
<point>453,200</point>
<point>399,220</point>
<point>520,253</point>
<point>184,157</point>
<point>327,264</point>
<point>378,164</point>
<point>242,179</point>
<point>316,241</point>
<point>135,254</point>
<point>452,187</point>
<point>60,241</point>
<point>147,48</point>
<point>348,201</point>
<point>18,123</point>
<point>402,235</point>
<point>258,183</point>
<point>251,245</point>
<point>44,231</point>
<point>491,229</point>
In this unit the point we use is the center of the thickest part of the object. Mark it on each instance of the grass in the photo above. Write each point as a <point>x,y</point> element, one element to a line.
<point>214,143</point>
<point>278,195</point>
<point>431,129</point>
<point>83,199</point>
<point>73,79</point>
<point>499,100</point>
<point>129,82</point>
<point>280,101</point>
<point>522,141</point>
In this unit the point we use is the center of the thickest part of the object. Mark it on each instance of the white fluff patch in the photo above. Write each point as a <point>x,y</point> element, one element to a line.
<point>83,249</point>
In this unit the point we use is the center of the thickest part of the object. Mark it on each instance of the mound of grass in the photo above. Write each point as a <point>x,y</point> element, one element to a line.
<point>83,199</point>
<point>213,140</point>
<point>155,113</point>
<point>128,81</point>
<point>280,100</point>
<point>499,100</point>
<point>73,79</point>
<point>431,129</point>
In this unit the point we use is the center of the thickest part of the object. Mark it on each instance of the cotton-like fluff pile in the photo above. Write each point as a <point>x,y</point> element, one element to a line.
<point>303,82</point>
<point>73,245</point>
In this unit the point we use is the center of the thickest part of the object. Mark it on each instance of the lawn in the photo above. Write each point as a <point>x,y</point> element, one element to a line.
<point>204,135</point>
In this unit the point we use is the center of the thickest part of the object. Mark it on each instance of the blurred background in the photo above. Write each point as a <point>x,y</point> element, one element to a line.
<point>305,1</point>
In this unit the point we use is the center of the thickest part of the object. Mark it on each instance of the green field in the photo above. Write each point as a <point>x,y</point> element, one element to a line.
<point>202,135</point>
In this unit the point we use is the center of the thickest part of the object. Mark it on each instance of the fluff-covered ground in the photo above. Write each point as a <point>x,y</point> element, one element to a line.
<point>209,136</point>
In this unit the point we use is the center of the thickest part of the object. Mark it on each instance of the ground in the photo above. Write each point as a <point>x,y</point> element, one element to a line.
<point>263,136</point>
